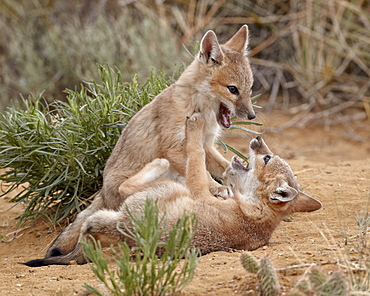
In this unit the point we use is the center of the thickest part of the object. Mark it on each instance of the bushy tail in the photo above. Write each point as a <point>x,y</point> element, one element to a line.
<point>45,262</point>
<point>74,257</point>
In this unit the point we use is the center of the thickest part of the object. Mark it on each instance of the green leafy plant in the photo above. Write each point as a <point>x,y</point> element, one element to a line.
<point>56,152</point>
<point>148,273</point>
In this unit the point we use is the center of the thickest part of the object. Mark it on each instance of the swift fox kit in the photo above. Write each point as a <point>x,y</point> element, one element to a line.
<point>218,84</point>
<point>263,195</point>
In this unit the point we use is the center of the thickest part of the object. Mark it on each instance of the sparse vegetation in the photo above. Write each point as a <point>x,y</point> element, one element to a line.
<point>359,271</point>
<point>268,284</point>
<point>148,274</point>
<point>317,283</point>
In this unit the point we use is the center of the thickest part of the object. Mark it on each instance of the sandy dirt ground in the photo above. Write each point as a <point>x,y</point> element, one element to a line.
<point>334,166</point>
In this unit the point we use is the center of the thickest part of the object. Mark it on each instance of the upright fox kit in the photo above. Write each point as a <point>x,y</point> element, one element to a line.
<point>218,84</point>
<point>263,195</point>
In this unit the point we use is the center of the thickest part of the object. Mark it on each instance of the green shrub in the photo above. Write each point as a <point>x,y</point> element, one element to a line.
<point>56,152</point>
<point>148,274</point>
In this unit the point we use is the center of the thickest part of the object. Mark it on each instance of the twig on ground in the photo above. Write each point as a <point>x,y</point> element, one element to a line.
<point>304,265</point>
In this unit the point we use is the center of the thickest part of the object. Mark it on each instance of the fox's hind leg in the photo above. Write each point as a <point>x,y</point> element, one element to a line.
<point>145,177</point>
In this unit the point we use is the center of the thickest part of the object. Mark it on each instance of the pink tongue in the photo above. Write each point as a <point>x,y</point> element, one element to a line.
<point>225,116</point>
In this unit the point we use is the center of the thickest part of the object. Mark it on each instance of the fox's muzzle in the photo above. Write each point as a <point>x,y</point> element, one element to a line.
<point>251,116</point>
<point>244,109</point>
<point>259,146</point>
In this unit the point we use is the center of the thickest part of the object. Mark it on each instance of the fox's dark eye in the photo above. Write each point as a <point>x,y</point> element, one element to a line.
<point>233,89</point>
<point>266,158</point>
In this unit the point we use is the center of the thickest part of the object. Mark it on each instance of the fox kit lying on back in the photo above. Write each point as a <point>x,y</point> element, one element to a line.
<point>264,194</point>
<point>218,84</point>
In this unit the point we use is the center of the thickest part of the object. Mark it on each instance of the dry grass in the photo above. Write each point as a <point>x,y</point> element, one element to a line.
<point>53,45</point>
<point>313,52</point>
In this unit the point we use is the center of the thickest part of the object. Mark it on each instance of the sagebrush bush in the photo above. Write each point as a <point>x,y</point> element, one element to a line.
<point>56,152</point>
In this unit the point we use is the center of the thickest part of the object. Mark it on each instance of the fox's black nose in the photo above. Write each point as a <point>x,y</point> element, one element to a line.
<point>251,116</point>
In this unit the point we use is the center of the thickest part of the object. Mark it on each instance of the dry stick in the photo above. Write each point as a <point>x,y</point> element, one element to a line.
<point>261,78</point>
<point>275,89</point>
<point>269,64</point>
<point>275,36</point>
<point>339,107</point>
<point>14,234</point>
<point>298,119</point>
<point>366,103</point>
<point>314,264</point>
<point>348,118</point>
<point>342,39</point>
<point>304,171</point>
<point>201,22</point>
<point>261,20</point>
<point>292,122</point>
<point>285,90</point>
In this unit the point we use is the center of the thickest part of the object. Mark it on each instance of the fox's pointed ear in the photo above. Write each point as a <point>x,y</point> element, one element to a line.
<point>239,41</point>
<point>306,203</point>
<point>210,51</point>
<point>283,193</point>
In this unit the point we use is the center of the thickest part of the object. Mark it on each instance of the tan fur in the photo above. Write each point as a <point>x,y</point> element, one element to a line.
<point>158,130</point>
<point>264,194</point>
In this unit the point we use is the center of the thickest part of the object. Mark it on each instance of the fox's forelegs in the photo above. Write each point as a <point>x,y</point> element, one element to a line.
<point>202,159</point>
<point>196,176</point>
<point>216,165</point>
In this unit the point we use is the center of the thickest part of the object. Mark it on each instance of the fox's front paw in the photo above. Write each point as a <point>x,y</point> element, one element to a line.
<point>221,191</point>
<point>195,121</point>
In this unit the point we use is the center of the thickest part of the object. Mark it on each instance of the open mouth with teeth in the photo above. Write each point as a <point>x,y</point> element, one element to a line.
<point>224,116</point>
<point>238,164</point>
